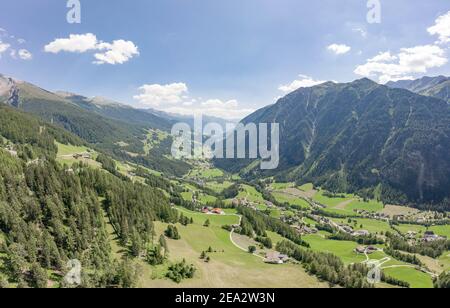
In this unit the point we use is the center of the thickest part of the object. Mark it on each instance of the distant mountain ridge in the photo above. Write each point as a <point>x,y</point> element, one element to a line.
<point>438,87</point>
<point>116,129</point>
<point>361,137</point>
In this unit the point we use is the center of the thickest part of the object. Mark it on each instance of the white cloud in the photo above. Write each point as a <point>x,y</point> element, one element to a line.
<point>25,54</point>
<point>117,52</point>
<point>13,54</point>
<point>441,28</point>
<point>383,57</point>
<point>21,41</point>
<point>156,95</point>
<point>173,98</point>
<point>409,61</point>
<point>3,47</point>
<point>303,82</point>
<point>225,112</point>
<point>75,43</point>
<point>218,104</point>
<point>339,49</point>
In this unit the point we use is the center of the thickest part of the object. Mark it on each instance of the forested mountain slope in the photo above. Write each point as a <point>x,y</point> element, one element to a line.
<point>115,129</point>
<point>50,213</point>
<point>363,137</point>
<point>117,111</point>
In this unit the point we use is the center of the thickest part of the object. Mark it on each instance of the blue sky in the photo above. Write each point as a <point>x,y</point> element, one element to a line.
<point>226,57</point>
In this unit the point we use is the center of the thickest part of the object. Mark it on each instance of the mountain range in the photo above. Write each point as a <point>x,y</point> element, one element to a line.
<point>438,87</point>
<point>362,137</point>
<point>116,129</point>
<point>389,142</point>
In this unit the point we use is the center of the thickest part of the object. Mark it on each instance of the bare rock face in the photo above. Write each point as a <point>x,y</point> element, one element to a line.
<point>9,92</point>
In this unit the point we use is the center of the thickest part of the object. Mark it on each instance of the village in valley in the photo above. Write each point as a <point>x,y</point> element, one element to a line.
<point>409,245</point>
<point>354,229</point>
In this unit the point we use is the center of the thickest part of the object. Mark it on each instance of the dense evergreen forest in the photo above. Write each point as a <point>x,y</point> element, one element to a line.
<point>50,213</point>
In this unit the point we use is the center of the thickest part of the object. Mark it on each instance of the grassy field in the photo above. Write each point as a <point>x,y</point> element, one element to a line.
<point>206,173</point>
<point>229,266</point>
<point>292,200</point>
<point>281,186</point>
<point>306,187</point>
<point>342,249</point>
<point>405,228</point>
<point>204,198</point>
<point>345,251</point>
<point>251,194</point>
<point>70,149</point>
<point>65,153</point>
<point>444,261</point>
<point>414,277</point>
<point>370,206</point>
<point>441,230</point>
<point>218,187</point>
<point>348,204</point>
<point>328,201</point>
<point>371,225</point>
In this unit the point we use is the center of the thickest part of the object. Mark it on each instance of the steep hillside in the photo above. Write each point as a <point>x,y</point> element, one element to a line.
<point>118,130</point>
<point>50,214</point>
<point>118,111</point>
<point>353,137</point>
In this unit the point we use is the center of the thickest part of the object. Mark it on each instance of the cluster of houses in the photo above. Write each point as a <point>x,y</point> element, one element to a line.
<point>85,155</point>
<point>372,215</point>
<point>275,257</point>
<point>244,202</point>
<point>304,230</point>
<point>212,211</point>
<point>361,233</point>
<point>366,250</point>
<point>430,236</point>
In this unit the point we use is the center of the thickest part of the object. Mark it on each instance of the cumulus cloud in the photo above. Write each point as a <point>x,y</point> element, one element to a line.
<point>117,52</point>
<point>156,95</point>
<point>173,98</point>
<point>441,28</point>
<point>303,82</point>
<point>25,54</point>
<point>383,57</point>
<point>3,47</point>
<point>75,43</point>
<point>408,61</point>
<point>339,49</point>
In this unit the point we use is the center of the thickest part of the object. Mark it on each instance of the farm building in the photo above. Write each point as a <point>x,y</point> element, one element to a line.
<point>430,236</point>
<point>275,258</point>
<point>361,233</point>
<point>209,210</point>
<point>366,250</point>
